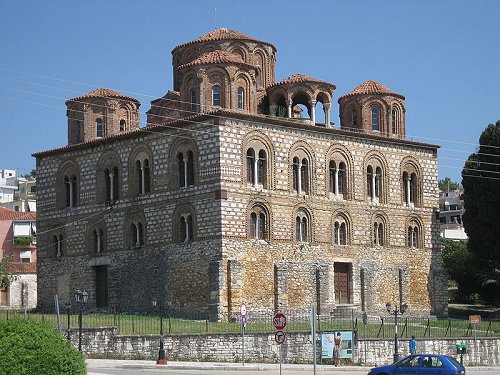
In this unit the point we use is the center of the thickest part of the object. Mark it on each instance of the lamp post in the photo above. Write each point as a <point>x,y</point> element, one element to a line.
<point>81,299</point>
<point>162,360</point>
<point>68,311</point>
<point>396,312</point>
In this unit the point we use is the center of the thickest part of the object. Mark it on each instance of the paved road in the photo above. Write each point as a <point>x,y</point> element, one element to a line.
<point>130,367</point>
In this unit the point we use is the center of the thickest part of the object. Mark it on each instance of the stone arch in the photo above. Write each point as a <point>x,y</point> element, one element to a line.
<point>375,159</point>
<point>303,208</point>
<point>183,143</point>
<point>412,223</point>
<point>410,167</point>
<point>340,153</point>
<point>265,206</point>
<point>190,82</point>
<point>239,49</point>
<point>218,77</point>
<point>109,160</point>
<point>380,217</point>
<point>143,154</point>
<point>260,62</point>
<point>397,129</point>
<point>258,141</point>
<point>244,80</point>
<point>184,210</point>
<point>346,217</point>
<point>96,245</point>
<point>382,115</point>
<point>134,222</point>
<point>67,173</point>
<point>301,150</point>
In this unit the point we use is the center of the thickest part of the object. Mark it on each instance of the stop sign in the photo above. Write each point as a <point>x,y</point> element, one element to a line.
<point>279,321</point>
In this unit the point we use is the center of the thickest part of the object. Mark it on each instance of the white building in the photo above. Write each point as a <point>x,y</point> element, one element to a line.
<point>451,211</point>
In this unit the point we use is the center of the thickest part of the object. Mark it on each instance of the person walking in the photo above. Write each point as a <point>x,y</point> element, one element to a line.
<point>413,345</point>
<point>337,349</point>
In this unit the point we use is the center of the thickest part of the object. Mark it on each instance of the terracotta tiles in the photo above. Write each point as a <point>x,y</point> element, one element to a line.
<point>372,88</point>
<point>216,57</point>
<point>103,93</point>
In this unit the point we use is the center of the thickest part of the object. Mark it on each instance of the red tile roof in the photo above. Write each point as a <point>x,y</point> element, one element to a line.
<point>217,57</point>
<point>301,78</point>
<point>18,267</point>
<point>103,93</point>
<point>222,34</point>
<point>372,88</point>
<point>6,214</point>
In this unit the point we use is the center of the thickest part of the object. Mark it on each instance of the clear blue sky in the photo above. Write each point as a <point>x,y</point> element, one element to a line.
<point>444,56</point>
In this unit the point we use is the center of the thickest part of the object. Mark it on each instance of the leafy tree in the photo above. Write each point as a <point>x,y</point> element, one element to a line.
<point>481,182</point>
<point>447,184</point>
<point>5,277</point>
<point>458,263</point>
<point>30,175</point>
<point>31,348</point>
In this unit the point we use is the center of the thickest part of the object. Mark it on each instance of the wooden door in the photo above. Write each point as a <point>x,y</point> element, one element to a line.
<point>341,283</point>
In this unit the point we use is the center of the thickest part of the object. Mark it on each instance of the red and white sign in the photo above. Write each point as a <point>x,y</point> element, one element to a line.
<point>279,321</point>
<point>280,337</point>
<point>243,310</point>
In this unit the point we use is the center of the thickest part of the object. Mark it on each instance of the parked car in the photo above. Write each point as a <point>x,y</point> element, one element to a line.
<point>422,364</point>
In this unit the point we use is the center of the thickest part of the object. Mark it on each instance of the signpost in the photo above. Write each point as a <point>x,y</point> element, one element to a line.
<point>243,311</point>
<point>279,322</point>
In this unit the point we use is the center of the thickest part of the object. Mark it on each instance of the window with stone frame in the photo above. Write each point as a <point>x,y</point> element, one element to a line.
<point>71,190</point>
<point>414,235</point>
<point>302,226</point>
<point>98,240</point>
<point>379,232</point>
<point>410,188</point>
<point>375,118</point>
<point>216,96</point>
<point>338,178</point>
<point>374,183</point>
<point>341,231</point>
<point>99,128</point>
<point>241,98</point>
<point>256,167</point>
<point>136,234</point>
<point>123,126</point>
<point>143,176</point>
<point>258,222</point>
<point>394,120</point>
<point>68,185</point>
<point>57,243</point>
<point>185,162</point>
<point>300,173</point>
<point>112,187</point>
<point>186,228</point>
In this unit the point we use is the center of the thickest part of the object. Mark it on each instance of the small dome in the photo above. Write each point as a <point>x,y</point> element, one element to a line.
<point>372,88</point>
<point>103,93</point>
<point>301,78</point>
<point>216,57</point>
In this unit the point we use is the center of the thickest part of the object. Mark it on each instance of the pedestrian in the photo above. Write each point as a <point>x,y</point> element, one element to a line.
<point>413,345</point>
<point>337,349</point>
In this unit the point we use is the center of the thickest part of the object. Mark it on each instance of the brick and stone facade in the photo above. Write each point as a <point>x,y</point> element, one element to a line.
<point>227,197</point>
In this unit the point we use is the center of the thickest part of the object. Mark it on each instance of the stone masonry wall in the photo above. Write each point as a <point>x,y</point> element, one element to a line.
<point>262,348</point>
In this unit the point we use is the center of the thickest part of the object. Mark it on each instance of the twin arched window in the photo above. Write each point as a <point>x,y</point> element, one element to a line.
<point>340,232</point>
<point>256,167</point>
<point>70,186</point>
<point>57,242</point>
<point>186,228</point>
<point>338,178</point>
<point>185,161</point>
<point>410,187</point>
<point>300,175</point>
<point>413,236</point>
<point>302,226</point>
<point>378,233</point>
<point>374,183</point>
<point>258,223</point>
<point>143,176</point>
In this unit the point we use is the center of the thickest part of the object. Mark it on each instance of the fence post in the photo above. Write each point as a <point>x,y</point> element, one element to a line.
<point>427,328</point>
<point>405,328</point>
<point>448,328</point>
<point>381,329</point>
<point>206,324</point>
<point>169,325</point>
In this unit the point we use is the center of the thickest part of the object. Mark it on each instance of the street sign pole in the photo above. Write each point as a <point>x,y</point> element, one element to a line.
<point>313,328</point>
<point>243,311</point>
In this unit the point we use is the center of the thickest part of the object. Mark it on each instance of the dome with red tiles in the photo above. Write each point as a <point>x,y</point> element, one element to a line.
<point>217,57</point>
<point>103,93</point>
<point>301,78</point>
<point>372,88</point>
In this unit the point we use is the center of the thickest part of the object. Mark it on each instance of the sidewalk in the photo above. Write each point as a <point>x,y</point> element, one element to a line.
<point>174,365</point>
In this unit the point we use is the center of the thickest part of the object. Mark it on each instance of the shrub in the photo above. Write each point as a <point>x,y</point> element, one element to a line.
<point>28,347</point>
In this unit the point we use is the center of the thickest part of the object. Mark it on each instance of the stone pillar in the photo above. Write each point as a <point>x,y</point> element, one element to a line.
<point>373,186</point>
<point>336,181</point>
<point>289,108</point>
<point>407,186</point>
<point>280,286</point>
<point>327,108</point>
<point>255,169</point>
<point>234,288</point>
<point>215,285</point>
<point>313,111</point>
<point>299,177</point>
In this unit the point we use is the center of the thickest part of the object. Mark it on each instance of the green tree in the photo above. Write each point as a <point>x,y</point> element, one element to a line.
<point>481,183</point>
<point>30,175</point>
<point>5,277</point>
<point>459,264</point>
<point>447,184</point>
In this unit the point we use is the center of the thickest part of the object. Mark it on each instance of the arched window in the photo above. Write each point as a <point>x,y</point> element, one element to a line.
<point>216,96</point>
<point>378,183</point>
<point>99,128</point>
<point>193,101</point>
<point>340,232</point>
<point>143,176</point>
<point>378,233</point>
<point>251,166</point>
<point>111,178</point>
<point>302,227</point>
<point>394,120</point>
<point>374,184</point>
<point>338,179</point>
<point>258,223</point>
<point>98,236</point>
<point>370,182</point>
<point>241,98</point>
<point>354,118</point>
<point>185,162</point>
<point>57,241</point>
<point>186,228</point>
<point>413,236</point>
<point>300,171</point>
<point>375,118</point>
<point>410,185</point>
<point>71,190</point>
<point>123,125</point>
<point>136,234</point>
